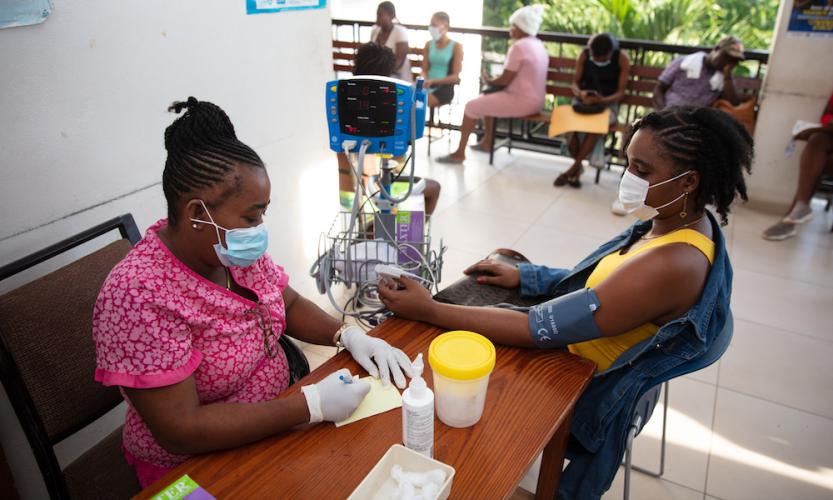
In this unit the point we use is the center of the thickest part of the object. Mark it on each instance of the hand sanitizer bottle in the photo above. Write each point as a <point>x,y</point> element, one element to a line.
<point>418,413</point>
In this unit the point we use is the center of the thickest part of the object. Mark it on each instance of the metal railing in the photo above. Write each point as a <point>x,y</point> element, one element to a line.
<point>648,53</point>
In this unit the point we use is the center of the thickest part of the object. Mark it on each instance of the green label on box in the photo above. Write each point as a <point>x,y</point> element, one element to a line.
<point>178,490</point>
<point>403,217</point>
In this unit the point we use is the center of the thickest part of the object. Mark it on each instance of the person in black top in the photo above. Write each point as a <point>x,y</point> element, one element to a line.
<point>600,78</point>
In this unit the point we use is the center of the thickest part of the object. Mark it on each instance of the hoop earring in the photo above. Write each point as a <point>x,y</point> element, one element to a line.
<point>685,203</point>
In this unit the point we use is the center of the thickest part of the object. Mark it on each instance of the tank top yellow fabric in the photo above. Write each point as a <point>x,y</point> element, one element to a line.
<point>605,350</point>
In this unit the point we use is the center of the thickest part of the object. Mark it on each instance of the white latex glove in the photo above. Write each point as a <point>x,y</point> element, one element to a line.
<point>332,399</point>
<point>388,360</point>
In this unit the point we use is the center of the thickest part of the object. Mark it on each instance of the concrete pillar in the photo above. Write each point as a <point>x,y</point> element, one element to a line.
<point>798,83</point>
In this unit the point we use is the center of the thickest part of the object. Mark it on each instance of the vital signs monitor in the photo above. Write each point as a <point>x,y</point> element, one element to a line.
<point>385,112</point>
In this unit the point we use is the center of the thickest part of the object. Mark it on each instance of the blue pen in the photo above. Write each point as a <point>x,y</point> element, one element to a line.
<point>345,380</point>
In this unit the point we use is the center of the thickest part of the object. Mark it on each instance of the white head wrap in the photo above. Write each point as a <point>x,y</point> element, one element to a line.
<point>528,18</point>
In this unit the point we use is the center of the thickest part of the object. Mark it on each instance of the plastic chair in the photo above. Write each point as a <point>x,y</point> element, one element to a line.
<point>47,361</point>
<point>648,401</point>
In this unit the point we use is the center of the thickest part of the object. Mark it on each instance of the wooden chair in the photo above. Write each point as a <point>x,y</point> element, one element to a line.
<point>344,55</point>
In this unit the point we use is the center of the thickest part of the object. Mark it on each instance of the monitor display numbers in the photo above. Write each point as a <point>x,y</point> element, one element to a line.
<point>367,108</point>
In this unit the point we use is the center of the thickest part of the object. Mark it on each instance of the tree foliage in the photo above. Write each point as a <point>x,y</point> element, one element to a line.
<point>687,22</point>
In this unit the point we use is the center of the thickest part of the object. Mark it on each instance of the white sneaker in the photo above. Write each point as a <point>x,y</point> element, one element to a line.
<point>617,208</point>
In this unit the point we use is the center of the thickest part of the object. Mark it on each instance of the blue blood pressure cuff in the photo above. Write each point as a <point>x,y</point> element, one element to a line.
<point>565,320</point>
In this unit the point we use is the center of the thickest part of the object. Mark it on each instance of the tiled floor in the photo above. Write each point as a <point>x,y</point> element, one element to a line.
<point>758,424</point>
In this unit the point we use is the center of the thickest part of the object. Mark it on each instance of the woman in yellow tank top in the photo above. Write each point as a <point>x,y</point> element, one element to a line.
<point>679,161</point>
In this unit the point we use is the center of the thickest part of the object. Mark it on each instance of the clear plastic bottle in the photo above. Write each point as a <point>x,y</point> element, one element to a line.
<point>418,413</point>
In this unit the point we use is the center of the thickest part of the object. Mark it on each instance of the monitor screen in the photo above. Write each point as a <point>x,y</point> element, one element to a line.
<point>367,108</point>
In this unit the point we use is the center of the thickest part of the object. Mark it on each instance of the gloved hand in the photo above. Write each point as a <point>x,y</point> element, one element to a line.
<point>332,399</point>
<point>388,360</point>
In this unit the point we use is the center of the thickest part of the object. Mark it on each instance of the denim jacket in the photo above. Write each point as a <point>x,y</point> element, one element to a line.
<point>603,413</point>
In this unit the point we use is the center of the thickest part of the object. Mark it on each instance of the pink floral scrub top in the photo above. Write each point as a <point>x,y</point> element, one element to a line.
<point>156,322</point>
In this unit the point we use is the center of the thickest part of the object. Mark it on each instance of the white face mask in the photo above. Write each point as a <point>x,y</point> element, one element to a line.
<point>633,191</point>
<point>435,32</point>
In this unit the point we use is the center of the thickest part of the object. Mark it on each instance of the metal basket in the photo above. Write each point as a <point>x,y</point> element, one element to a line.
<point>353,257</point>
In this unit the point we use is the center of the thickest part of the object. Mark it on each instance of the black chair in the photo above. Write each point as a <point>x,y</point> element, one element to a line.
<point>47,362</point>
<point>649,398</point>
<point>825,188</point>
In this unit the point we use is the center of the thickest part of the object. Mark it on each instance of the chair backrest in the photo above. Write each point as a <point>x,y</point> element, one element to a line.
<point>648,398</point>
<point>344,55</point>
<point>47,357</point>
<point>641,82</point>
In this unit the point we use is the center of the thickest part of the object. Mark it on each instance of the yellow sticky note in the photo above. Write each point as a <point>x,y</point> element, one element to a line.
<point>378,400</point>
<point>564,119</point>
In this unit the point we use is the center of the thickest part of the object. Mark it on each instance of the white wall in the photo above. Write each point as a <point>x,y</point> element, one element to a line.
<point>798,83</point>
<point>84,99</point>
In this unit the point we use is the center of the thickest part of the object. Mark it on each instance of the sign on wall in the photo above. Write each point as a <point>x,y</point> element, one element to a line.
<point>271,6</point>
<point>812,17</point>
<point>23,12</point>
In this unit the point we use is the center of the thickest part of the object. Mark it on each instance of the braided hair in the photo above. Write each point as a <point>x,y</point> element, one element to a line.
<point>374,59</point>
<point>202,149</point>
<point>708,141</point>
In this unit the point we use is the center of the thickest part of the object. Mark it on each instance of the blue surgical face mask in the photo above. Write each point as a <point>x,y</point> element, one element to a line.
<point>244,246</point>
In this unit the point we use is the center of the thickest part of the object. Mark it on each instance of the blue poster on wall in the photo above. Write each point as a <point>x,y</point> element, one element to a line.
<point>272,6</point>
<point>23,12</point>
<point>812,17</point>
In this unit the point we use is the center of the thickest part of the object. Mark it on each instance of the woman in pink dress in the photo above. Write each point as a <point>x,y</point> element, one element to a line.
<point>524,81</point>
<point>187,324</point>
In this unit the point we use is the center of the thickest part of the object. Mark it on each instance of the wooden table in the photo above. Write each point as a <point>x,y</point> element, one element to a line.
<point>528,409</point>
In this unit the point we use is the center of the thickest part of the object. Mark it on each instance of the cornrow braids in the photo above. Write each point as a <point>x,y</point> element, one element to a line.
<point>202,149</point>
<point>708,141</point>
<point>374,59</point>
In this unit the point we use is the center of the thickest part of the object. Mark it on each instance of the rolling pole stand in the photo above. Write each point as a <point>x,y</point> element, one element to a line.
<point>385,227</point>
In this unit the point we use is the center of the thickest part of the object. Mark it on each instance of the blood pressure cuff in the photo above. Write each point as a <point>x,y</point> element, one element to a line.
<point>565,320</point>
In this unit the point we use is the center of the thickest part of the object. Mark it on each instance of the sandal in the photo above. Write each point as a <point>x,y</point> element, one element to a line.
<point>561,180</point>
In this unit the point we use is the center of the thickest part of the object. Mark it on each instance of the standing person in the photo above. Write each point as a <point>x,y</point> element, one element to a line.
<point>394,36</point>
<point>700,78</point>
<point>442,61</point>
<point>600,79</point>
<point>524,81</point>
<point>187,324</point>
<point>816,159</point>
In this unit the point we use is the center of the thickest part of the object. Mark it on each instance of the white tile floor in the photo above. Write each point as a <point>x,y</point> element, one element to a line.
<point>758,424</point>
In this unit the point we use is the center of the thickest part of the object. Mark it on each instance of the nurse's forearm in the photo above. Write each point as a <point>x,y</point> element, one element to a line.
<point>182,426</point>
<point>502,326</point>
<point>308,322</point>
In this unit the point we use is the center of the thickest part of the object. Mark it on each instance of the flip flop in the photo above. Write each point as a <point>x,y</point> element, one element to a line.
<point>448,159</point>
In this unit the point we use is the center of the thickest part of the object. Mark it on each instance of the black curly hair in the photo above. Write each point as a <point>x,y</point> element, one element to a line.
<point>706,140</point>
<point>202,149</point>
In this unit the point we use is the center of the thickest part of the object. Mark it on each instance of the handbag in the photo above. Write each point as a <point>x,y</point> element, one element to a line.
<point>298,364</point>
<point>743,112</point>
<point>468,292</point>
<point>587,109</point>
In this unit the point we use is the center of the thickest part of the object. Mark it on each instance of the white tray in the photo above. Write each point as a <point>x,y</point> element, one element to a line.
<point>379,485</point>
